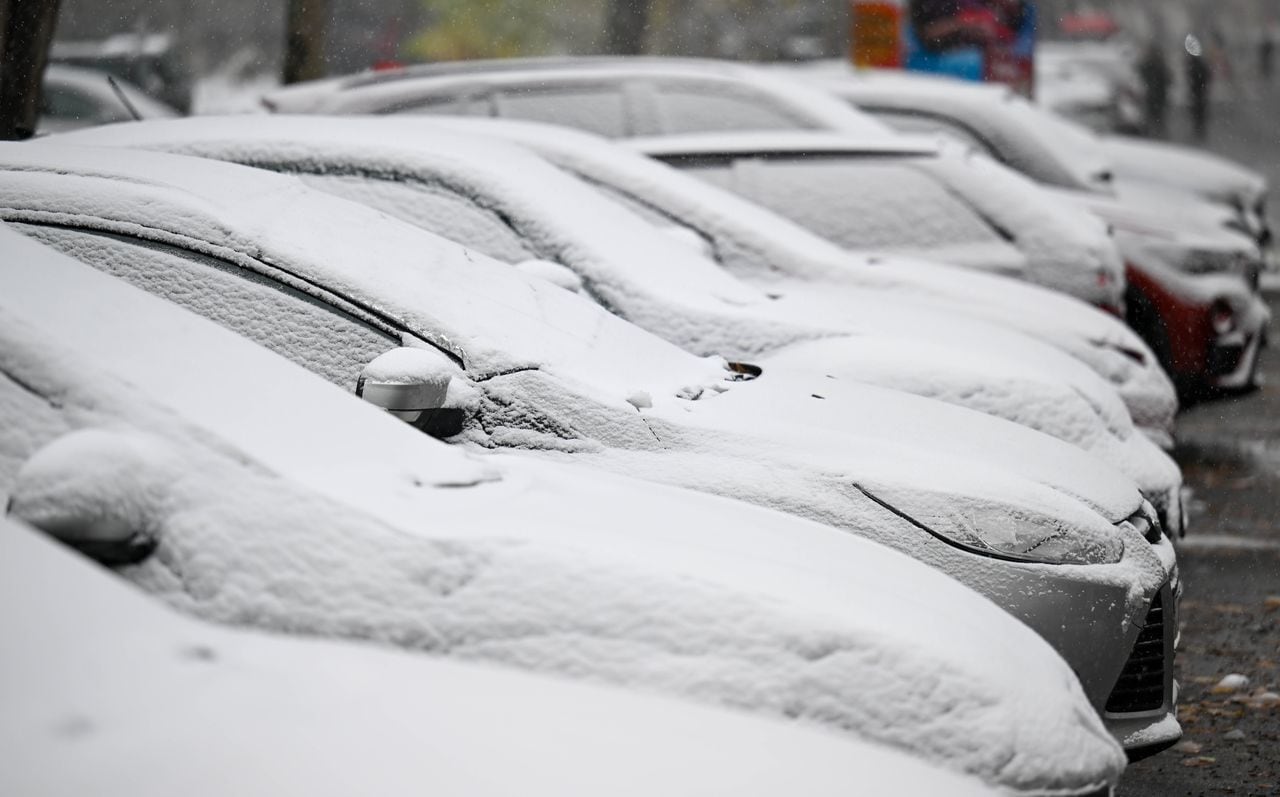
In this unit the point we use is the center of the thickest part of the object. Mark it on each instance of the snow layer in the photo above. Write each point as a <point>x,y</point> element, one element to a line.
<point>773,253</point>
<point>871,206</point>
<point>470,191</point>
<point>176,706</point>
<point>610,235</point>
<point>688,594</point>
<point>1174,166</point>
<point>574,399</point>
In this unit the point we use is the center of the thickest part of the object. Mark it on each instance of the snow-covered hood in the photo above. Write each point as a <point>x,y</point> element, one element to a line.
<point>340,719</point>
<point>730,600</point>
<point>1201,173</point>
<point>1179,226</point>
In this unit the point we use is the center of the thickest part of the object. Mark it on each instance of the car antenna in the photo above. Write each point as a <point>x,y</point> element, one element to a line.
<point>128,106</point>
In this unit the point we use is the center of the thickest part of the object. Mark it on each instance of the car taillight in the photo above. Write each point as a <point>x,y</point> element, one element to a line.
<point>1222,317</point>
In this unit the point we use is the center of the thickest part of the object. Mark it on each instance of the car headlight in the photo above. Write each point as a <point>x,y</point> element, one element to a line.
<point>1001,532</point>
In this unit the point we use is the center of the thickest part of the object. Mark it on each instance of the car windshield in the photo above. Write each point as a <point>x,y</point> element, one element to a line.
<point>860,203</point>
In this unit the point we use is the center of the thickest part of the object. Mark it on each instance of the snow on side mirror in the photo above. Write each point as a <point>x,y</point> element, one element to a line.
<point>100,492</point>
<point>556,274</point>
<point>413,385</point>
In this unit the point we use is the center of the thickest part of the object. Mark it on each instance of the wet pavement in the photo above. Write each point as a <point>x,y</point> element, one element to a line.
<point>1230,453</point>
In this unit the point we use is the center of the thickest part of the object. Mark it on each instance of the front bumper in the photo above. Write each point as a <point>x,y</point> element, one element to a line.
<point>1094,616</point>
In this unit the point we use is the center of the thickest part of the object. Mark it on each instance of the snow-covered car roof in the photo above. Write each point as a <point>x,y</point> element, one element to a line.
<point>161,415</point>
<point>398,89</point>
<point>1048,148</point>
<point>1025,137</point>
<point>172,705</point>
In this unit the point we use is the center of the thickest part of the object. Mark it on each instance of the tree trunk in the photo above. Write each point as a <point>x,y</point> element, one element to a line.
<point>627,26</point>
<point>26,30</point>
<point>305,29</point>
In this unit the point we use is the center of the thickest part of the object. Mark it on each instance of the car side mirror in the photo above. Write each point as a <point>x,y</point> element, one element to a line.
<point>413,385</point>
<point>555,273</point>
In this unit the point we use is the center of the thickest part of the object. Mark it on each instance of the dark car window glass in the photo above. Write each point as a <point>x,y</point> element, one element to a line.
<point>66,103</point>
<point>905,122</point>
<point>856,204</point>
<point>431,207</point>
<point>596,109</point>
<point>697,109</point>
<point>317,336</point>
<point>444,105</point>
<point>659,218</point>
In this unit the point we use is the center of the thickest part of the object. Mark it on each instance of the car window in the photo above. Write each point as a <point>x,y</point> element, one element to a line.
<point>906,122</point>
<point>433,207</point>
<point>858,204</point>
<point>597,109</point>
<point>691,108</point>
<point>63,102</point>
<point>317,336</point>
<point>444,105</point>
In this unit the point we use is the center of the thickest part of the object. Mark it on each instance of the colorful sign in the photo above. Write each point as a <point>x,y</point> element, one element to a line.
<point>876,34</point>
<point>986,40</point>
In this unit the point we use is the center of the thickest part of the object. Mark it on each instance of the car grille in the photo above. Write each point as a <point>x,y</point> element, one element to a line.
<point>1140,686</point>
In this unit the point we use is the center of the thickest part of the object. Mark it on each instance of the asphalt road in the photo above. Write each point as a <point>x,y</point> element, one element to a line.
<point>1230,453</point>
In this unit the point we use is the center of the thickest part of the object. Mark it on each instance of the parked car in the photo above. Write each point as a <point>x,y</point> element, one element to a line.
<point>312,513</point>
<point>1049,149</point>
<point>506,204</point>
<point>1192,265</point>
<point>610,88</point>
<point>152,61</point>
<point>782,258</point>
<point>609,96</point>
<point>234,712</point>
<point>1096,85</point>
<point>897,198</point>
<point>72,98</point>
<point>1053,535</point>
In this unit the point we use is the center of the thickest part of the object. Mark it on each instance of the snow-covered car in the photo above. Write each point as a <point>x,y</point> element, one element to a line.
<point>898,197</point>
<point>1191,238</point>
<point>247,491</point>
<point>232,712</point>
<point>609,96</point>
<point>1046,147</point>
<point>72,97</point>
<point>506,204</point>
<point>781,257</point>
<point>1092,83</point>
<point>1052,534</point>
